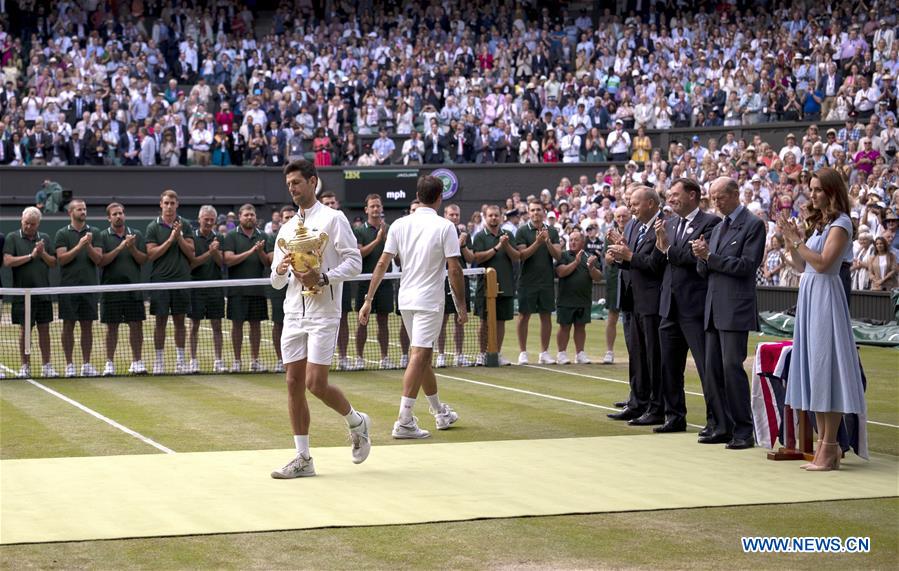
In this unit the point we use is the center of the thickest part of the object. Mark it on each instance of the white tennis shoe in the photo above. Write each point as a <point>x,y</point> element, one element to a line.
<point>409,430</point>
<point>445,417</point>
<point>299,467</point>
<point>361,438</point>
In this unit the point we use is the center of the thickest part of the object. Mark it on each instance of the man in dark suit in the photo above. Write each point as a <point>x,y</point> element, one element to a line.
<point>640,295</point>
<point>76,152</point>
<point>78,106</point>
<point>829,84</point>
<point>682,300</point>
<point>730,260</point>
<point>181,136</point>
<point>434,145</point>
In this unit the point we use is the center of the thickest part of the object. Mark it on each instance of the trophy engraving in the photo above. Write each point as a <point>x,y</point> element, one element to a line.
<point>305,251</point>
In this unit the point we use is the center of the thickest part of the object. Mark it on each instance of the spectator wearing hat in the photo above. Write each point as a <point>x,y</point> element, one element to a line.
<point>618,142</point>
<point>791,147</point>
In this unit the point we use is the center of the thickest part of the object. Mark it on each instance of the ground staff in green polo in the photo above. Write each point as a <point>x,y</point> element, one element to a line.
<point>207,303</point>
<point>29,254</point>
<point>495,248</point>
<point>371,236</point>
<point>170,246</point>
<point>577,270</point>
<point>247,254</point>
<point>124,252</point>
<point>538,245</point>
<point>78,254</point>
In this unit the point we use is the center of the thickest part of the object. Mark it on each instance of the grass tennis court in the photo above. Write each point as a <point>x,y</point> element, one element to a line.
<point>248,412</point>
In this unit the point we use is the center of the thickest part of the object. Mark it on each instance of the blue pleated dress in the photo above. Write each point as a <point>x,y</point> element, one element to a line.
<point>824,368</point>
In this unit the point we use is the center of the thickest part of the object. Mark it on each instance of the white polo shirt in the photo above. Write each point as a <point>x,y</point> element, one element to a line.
<point>422,241</point>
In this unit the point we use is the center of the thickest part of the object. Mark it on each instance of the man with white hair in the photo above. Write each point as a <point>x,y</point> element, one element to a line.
<point>30,256</point>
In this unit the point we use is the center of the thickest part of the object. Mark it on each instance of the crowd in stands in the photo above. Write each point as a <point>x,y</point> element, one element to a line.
<point>204,82</point>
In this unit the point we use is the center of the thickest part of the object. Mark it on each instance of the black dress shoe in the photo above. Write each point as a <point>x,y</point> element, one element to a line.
<point>706,431</point>
<point>739,444</point>
<point>647,420</point>
<point>621,404</point>
<point>672,426</point>
<point>715,439</point>
<point>626,414</point>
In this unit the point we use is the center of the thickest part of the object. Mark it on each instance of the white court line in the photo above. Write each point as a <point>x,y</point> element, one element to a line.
<point>542,395</point>
<point>594,377</point>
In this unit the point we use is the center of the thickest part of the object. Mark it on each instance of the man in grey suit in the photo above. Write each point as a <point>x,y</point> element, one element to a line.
<point>730,260</point>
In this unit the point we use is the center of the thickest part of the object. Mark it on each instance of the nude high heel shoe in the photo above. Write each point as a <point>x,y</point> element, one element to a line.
<point>830,458</point>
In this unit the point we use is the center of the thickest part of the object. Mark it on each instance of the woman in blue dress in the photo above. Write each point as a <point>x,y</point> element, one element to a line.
<point>825,377</point>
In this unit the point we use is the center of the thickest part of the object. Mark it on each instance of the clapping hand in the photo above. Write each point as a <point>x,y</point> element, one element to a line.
<point>176,229</point>
<point>579,257</point>
<point>86,239</point>
<point>621,252</point>
<point>214,246</point>
<point>503,240</point>
<point>790,230</point>
<point>614,237</point>
<point>661,236</point>
<point>700,248</point>
<point>38,249</point>
<point>591,261</point>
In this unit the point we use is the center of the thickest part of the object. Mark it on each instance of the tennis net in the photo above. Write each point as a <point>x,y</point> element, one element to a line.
<point>212,327</point>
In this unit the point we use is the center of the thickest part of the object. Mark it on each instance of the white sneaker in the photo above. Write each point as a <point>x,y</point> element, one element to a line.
<point>523,358</point>
<point>279,367</point>
<point>70,370</point>
<point>561,358</point>
<point>503,362</point>
<point>387,364</point>
<point>48,371</point>
<point>480,360</point>
<point>545,359</point>
<point>408,431</point>
<point>463,361</point>
<point>181,367</point>
<point>404,361</point>
<point>159,368</point>
<point>446,417</point>
<point>88,370</point>
<point>609,359</point>
<point>582,359</point>
<point>193,367</point>
<point>343,364</point>
<point>235,367</point>
<point>137,368</point>
<point>441,361</point>
<point>25,371</point>
<point>109,369</point>
<point>218,366</point>
<point>256,366</point>
<point>299,467</point>
<point>361,438</point>
<point>359,364</point>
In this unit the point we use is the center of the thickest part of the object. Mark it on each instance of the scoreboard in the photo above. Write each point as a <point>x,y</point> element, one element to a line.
<point>397,187</point>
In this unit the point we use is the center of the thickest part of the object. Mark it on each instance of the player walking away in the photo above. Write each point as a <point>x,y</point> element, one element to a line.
<point>28,254</point>
<point>170,246</point>
<point>427,245</point>
<point>538,244</point>
<point>124,252</point>
<point>371,236</point>
<point>247,253</point>
<point>277,297</point>
<point>207,303</point>
<point>311,322</point>
<point>577,270</point>
<point>78,258</point>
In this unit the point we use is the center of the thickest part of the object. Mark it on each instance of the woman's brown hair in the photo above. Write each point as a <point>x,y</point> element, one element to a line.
<point>834,187</point>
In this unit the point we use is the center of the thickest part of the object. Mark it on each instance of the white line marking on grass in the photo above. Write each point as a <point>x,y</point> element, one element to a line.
<point>593,377</point>
<point>99,416</point>
<point>883,424</point>
<point>532,393</point>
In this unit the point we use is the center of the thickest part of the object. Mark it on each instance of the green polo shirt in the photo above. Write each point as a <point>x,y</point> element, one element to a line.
<point>501,262</point>
<point>123,269</point>
<point>173,266</point>
<point>536,271</point>
<point>252,267</point>
<point>208,270</point>
<point>365,235</point>
<point>575,289</point>
<point>35,272</point>
<point>80,270</point>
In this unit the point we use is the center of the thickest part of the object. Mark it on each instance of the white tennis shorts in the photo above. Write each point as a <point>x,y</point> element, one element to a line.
<point>309,338</point>
<point>423,327</point>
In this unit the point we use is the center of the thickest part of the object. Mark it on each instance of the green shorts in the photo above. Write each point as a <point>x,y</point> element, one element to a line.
<point>41,310</point>
<point>346,300</point>
<point>611,277</point>
<point>572,315</point>
<point>78,307</point>
<point>382,302</point>
<point>247,308</point>
<point>169,302</point>
<point>536,300</point>
<point>207,303</point>
<point>505,308</point>
<point>121,308</point>
<point>277,298</point>
<point>449,306</point>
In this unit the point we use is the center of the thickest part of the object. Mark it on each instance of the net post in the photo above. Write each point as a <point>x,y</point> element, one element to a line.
<point>27,324</point>
<point>491,292</point>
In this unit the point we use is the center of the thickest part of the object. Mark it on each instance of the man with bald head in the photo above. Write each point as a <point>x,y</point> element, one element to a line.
<point>729,259</point>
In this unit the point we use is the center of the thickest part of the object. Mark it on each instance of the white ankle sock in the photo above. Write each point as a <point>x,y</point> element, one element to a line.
<point>434,401</point>
<point>302,443</point>
<point>353,418</point>
<point>406,405</point>
<point>179,353</point>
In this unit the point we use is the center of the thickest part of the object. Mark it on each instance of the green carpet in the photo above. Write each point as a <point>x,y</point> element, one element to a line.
<point>65,499</point>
